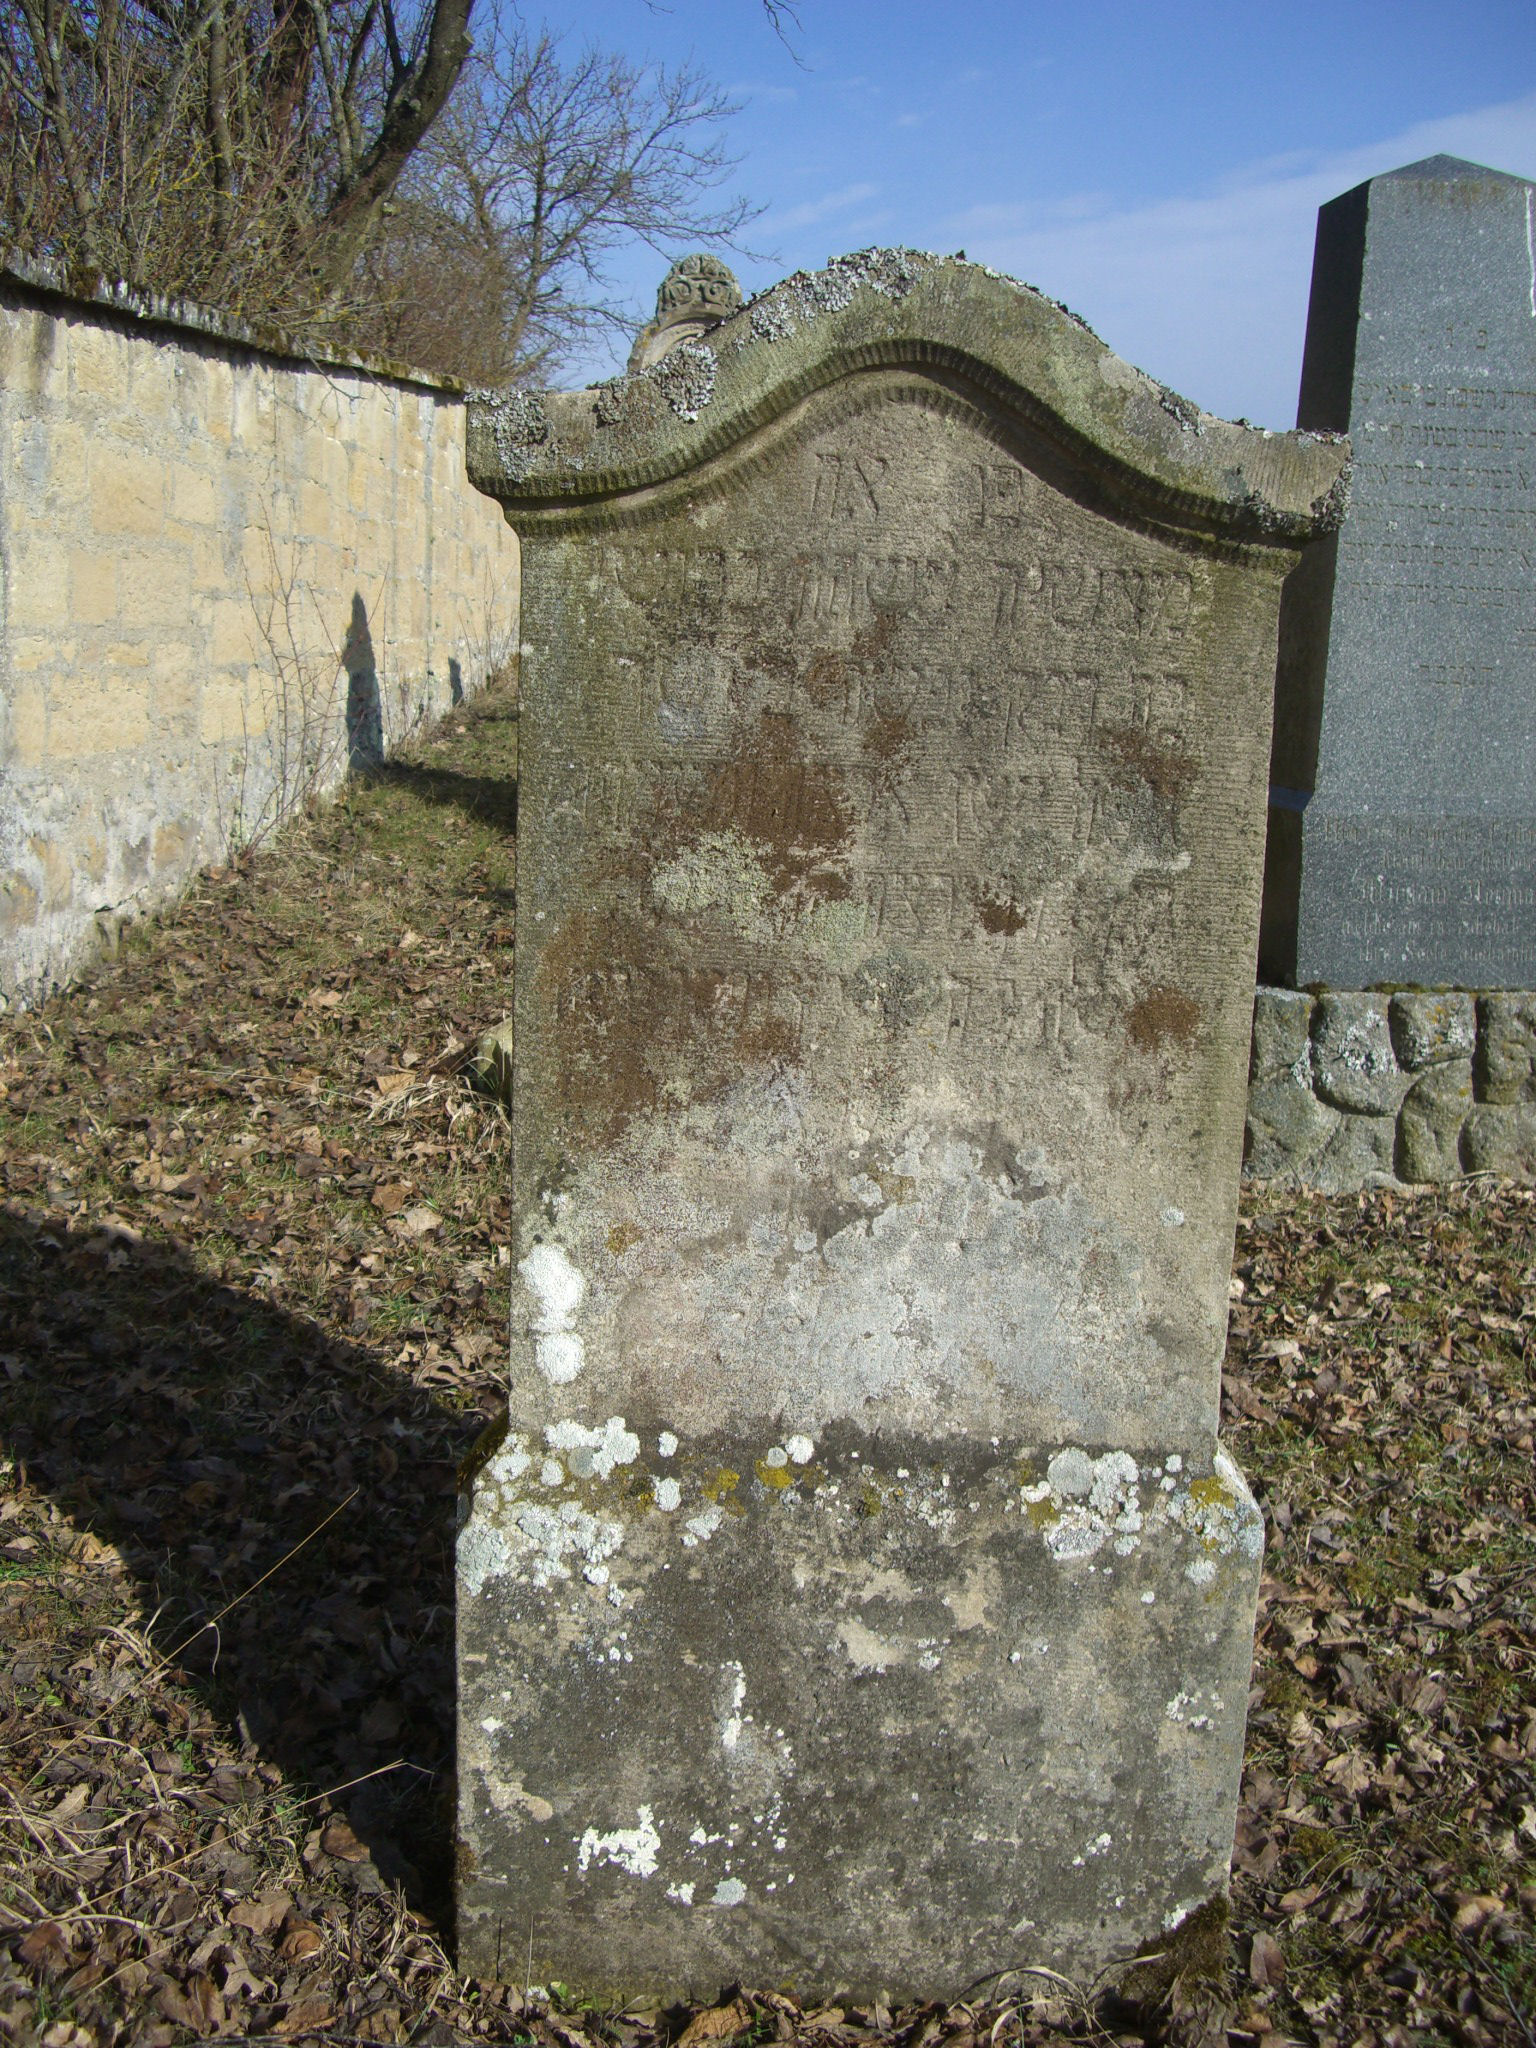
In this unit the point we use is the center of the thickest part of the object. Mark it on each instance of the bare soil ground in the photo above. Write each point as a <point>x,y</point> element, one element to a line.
<point>253,1286</point>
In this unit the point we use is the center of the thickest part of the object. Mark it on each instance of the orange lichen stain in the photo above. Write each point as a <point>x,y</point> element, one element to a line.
<point>633,1018</point>
<point>826,680</point>
<point>1139,757</point>
<point>794,811</point>
<point>628,1021</point>
<point>1162,1014</point>
<point>888,736</point>
<point>999,914</point>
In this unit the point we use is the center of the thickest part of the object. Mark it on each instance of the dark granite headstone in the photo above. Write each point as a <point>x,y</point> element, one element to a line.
<point>859,1596</point>
<point>1403,820</point>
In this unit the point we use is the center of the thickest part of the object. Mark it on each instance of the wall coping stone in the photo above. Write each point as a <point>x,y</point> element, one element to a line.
<point>30,279</point>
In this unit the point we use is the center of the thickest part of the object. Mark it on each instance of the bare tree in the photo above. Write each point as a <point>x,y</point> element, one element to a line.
<point>496,261</point>
<point>236,151</point>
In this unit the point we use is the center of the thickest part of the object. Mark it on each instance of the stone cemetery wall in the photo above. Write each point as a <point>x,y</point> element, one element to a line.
<point>1353,1090</point>
<point>859,1596</point>
<point>227,573</point>
<point>1403,833</point>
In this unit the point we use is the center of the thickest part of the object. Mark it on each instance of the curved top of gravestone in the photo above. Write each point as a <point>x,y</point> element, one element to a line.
<point>573,456</point>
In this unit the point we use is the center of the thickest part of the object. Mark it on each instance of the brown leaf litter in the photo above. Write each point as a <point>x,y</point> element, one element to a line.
<point>253,1261</point>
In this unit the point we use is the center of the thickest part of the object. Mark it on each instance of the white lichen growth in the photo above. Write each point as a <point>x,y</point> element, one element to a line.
<point>593,1453</point>
<point>1085,1502</point>
<point>700,1527</point>
<point>558,1288</point>
<point>633,1849</point>
<point>1094,1499</point>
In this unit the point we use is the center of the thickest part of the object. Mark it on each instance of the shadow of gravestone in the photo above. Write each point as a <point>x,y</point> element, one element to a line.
<point>206,1434</point>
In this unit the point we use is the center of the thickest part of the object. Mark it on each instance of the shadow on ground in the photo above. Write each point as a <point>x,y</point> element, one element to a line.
<point>490,799</point>
<point>206,1433</point>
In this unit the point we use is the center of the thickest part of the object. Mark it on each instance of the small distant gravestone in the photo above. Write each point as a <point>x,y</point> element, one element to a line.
<point>1403,828</point>
<point>859,1597</point>
<point>697,293</point>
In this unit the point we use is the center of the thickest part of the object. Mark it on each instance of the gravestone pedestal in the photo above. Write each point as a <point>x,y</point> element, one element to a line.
<point>859,1597</point>
<point>1403,828</point>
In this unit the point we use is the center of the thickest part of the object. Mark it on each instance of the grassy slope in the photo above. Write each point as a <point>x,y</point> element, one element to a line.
<point>253,1242</point>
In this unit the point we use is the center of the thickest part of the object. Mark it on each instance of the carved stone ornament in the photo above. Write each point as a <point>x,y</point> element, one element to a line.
<point>697,293</point>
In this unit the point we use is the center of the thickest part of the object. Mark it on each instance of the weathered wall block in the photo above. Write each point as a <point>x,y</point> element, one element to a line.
<point>187,518</point>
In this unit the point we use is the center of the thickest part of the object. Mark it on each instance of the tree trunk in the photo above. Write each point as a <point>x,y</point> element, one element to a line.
<point>414,105</point>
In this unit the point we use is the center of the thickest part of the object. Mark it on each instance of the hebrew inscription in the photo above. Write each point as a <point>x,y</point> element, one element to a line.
<point>894,782</point>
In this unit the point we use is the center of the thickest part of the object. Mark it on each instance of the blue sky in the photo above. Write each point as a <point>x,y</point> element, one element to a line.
<point>1157,166</point>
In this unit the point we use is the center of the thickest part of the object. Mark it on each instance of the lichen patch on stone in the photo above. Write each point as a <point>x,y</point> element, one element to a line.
<point>633,1849</point>
<point>558,1288</point>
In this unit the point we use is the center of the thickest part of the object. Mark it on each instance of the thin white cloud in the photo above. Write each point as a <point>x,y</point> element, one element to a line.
<point>1209,291</point>
<point>813,210</point>
<point>769,95</point>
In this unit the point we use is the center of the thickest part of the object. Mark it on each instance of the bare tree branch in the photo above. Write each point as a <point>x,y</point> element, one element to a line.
<point>219,138</point>
<point>341,126</point>
<point>345,169</point>
<point>539,170</point>
<point>416,97</point>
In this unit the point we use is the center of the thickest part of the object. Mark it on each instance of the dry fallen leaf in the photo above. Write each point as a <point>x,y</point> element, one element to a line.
<point>44,1943</point>
<point>1298,1900</point>
<point>261,1915</point>
<point>1472,1913</point>
<point>302,1939</point>
<point>305,2017</point>
<point>716,2023</point>
<point>1266,1964</point>
<point>338,1840</point>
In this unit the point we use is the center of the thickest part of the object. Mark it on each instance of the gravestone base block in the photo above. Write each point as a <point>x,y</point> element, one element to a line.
<point>846,1717</point>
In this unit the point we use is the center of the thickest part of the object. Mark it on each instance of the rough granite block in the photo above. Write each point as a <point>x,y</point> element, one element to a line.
<point>1429,1028</point>
<point>1353,1064</point>
<point>859,1598</point>
<point>1500,1138</point>
<point>1506,1052</point>
<point>1287,1129</point>
<point>1360,1154</point>
<point>1282,1026</point>
<point>1429,1125</point>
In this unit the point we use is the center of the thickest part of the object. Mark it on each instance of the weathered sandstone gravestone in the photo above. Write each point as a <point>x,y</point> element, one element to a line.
<point>858,1596</point>
<point>1403,834</point>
